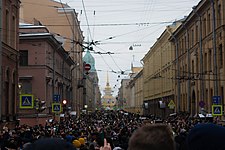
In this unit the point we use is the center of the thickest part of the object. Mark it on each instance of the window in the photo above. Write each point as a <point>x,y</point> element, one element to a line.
<point>210,96</point>
<point>205,61</point>
<point>23,58</point>
<point>192,67</point>
<point>13,36</point>
<point>192,37</point>
<point>219,15</point>
<point>210,60</point>
<point>196,33</point>
<point>26,86</point>
<point>6,31</point>
<point>220,56</point>
<point>209,22</point>
<point>204,27</point>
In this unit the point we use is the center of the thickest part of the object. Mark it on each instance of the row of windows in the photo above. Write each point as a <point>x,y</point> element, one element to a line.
<point>207,63</point>
<point>10,28</point>
<point>202,27</point>
<point>24,62</point>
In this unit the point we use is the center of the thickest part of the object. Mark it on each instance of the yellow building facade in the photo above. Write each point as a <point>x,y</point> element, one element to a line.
<point>200,58</point>
<point>138,80</point>
<point>186,64</point>
<point>158,75</point>
<point>108,101</point>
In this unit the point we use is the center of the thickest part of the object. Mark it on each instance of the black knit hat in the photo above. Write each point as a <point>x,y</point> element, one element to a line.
<point>50,144</point>
<point>206,137</point>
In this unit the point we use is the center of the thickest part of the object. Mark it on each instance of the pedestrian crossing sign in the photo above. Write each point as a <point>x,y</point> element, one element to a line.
<point>26,101</point>
<point>56,107</point>
<point>217,110</point>
<point>171,104</point>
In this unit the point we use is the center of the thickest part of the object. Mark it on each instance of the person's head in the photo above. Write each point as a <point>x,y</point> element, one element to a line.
<point>207,137</point>
<point>152,137</point>
<point>50,143</point>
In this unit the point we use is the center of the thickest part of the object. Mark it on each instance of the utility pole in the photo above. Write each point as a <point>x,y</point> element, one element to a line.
<point>0,59</point>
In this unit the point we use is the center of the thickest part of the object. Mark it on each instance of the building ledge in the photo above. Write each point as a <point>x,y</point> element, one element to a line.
<point>25,77</point>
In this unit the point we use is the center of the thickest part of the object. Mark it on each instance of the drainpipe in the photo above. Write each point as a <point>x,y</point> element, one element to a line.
<point>189,72</point>
<point>202,89</point>
<point>53,68</point>
<point>178,69</point>
<point>214,50</point>
<point>0,59</point>
<point>178,75</point>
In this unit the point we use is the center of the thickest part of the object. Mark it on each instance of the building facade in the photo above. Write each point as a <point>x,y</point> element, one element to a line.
<point>200,58</point>
<point>62,21</point>
<point>92,94</point>
<point>158,75</point>
<point>108,101</point>
<point>9,61</point>
<point>123,94</point>
<point>44,70</point>
<point>138,93</point>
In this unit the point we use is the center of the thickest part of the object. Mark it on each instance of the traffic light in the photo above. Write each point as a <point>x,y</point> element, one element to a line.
<point>64,102</point>
<point>40,105</point>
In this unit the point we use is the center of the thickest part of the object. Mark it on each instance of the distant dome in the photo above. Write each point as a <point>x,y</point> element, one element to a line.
<point>89,59</point>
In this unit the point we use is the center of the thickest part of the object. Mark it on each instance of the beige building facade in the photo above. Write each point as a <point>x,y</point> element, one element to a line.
<point>138,93</point>
<point>108,101</point>
<point>158,75</point>
<point>129,92</point>
<point>200,58</point>
<point>63,23</point>
<point>186,64</point>
<point>123,94</point>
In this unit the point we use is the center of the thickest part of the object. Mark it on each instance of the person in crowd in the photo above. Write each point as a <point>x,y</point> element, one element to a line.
<point>50,144</point>
<point>152,137</point>
<point>88,131</point>
<point>206,137</point>
<point>106,146</point>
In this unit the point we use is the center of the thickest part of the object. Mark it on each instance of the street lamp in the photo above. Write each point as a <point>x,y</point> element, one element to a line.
<point>20,88</point>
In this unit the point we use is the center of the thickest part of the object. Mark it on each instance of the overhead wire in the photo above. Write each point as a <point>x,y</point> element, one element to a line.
<point>66,16</point>
<point>85,13</point>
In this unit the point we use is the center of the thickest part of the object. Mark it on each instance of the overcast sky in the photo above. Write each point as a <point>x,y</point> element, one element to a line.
<point>119,24</point>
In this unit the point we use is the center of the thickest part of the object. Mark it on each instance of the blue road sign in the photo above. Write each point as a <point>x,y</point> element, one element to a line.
<point>56,107</point>
<point>216,100</point>
<point>26,101</point>
<point>56,98</point>
<point>217,110</point>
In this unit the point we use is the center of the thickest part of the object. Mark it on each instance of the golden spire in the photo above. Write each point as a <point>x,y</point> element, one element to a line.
<point>107,83</point>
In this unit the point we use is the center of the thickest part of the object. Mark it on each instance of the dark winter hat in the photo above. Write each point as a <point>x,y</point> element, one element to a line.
<point>206,137</point>
<point>50,144</point>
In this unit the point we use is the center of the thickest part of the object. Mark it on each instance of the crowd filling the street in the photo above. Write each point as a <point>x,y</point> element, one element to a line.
<point>116,130</point>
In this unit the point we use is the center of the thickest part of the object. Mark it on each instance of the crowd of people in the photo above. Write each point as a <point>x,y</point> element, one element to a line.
<point>114,130</point>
